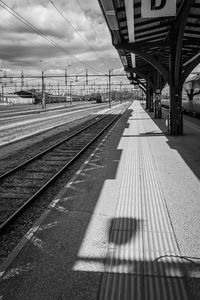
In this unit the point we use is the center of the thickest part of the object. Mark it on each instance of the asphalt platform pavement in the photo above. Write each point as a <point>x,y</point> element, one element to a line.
<point>127,226</point>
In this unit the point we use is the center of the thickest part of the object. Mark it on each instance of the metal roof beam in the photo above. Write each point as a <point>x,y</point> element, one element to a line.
<point>143,28</point>
<point>150,59</point>
<point>191,24</point>
<point>139,82</point>
<point>192,42</point>
<point>139,45</point>
<point>180,28</point>
<point>147,34</point>
<point>142,75</point>
<point>141,85</point>
<point>184,10</point>
<point>123,19</point>
<point>144,89</point>
<point>188,67</point>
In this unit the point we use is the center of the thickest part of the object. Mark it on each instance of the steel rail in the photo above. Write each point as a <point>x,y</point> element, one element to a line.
<point>25,205</point>
<point>17,168</point>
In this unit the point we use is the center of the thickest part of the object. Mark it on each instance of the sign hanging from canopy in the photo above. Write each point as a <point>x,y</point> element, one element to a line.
<point>158,8</point>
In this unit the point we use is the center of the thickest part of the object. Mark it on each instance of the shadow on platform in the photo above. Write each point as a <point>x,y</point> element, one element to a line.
<point>187,145</point>
<point>48,271</point>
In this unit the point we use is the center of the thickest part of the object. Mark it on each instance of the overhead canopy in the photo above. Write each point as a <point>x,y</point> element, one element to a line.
<point>151,39</point>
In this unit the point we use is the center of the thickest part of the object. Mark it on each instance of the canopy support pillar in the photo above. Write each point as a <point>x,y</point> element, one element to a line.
<point>175,114</point>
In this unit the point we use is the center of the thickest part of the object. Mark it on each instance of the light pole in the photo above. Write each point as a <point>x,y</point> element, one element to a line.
<point>1,80</point>
<point>58,89</point>
<point>70,91</point>
<point>43,85</point>
<point>109,85</point>
<point>120,92</point>
<point>43,91</point>
<point>66,83</point>
<point>2,93</point>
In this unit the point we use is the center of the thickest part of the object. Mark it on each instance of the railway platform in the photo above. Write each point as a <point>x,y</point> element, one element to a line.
<point>125,227</point>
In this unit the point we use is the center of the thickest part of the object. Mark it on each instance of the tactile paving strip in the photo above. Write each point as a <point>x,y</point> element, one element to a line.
<point>143,260</point>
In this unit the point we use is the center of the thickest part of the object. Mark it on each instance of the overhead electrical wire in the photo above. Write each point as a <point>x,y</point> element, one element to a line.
<point>93,28</point>
<point>77,31</point>
<point>30,25</point>
<point>39,32</point>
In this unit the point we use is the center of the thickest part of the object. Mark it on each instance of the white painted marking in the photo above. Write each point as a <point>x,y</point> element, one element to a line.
<point>31,232</point>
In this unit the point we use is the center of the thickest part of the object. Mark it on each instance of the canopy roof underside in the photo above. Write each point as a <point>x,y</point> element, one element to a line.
<point>152,36</point>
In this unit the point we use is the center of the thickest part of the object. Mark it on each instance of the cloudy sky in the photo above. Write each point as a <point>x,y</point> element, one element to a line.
<point>71,34</point>
<point>88,47</point>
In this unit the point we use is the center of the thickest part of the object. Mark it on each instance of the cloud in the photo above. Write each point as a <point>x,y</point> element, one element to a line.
<point>23,47</point>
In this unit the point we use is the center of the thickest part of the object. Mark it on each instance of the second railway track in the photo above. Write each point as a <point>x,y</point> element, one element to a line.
<point>22,185</point>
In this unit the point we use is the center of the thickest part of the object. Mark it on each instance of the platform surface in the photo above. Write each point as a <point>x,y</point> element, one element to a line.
<point>125,227</point>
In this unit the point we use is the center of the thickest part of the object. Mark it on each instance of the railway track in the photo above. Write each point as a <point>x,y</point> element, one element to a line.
<point>23,184</point>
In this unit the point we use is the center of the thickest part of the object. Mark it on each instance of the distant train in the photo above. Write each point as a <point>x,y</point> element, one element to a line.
<point>98,98</point>
<point>59,99</point>
<point>189,107</point>
<point>192,88</point>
